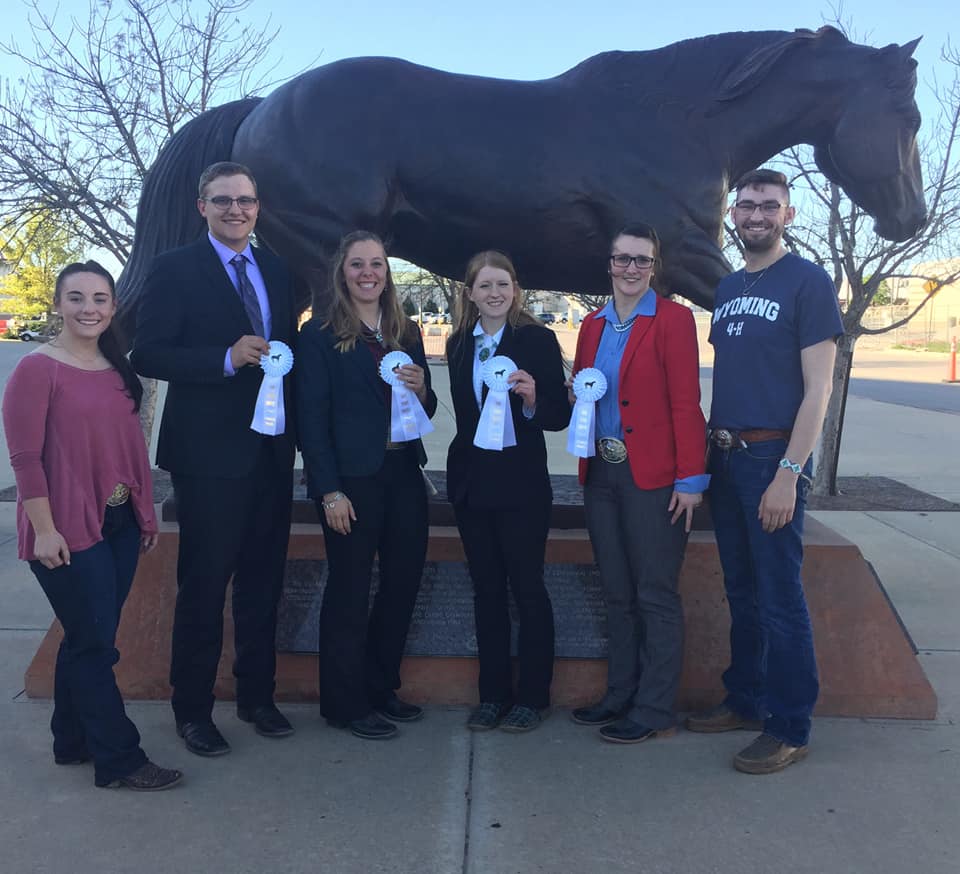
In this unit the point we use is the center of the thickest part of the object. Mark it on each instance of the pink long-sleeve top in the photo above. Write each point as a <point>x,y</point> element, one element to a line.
<point>73,436</point>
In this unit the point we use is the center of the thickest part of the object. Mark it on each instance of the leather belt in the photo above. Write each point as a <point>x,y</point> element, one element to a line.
<point>120,495</point>
<point>726,438</point>
<point>391,446</point>
<point>612,450</point>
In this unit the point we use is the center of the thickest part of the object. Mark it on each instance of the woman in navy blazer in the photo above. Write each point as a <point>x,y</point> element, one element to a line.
<point>642,486</point>
<point>502,498</point>
<point>369,491</point>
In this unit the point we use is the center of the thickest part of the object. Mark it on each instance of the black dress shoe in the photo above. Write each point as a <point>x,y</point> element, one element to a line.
<point>267,720</point>
<point>370,727</point>
<point>626,731</point>
<point>79,758</point>
<point>203,738</point>
<point>397,710</point>
<point>595,714</point>
<point>147,778</point>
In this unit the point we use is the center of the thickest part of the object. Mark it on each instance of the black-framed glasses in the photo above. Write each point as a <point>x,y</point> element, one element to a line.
<point>221,201</point>
<point>643,262</point>
<point>748,207</point>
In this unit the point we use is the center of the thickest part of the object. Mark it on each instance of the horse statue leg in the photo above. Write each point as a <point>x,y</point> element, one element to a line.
<point>693,266</point>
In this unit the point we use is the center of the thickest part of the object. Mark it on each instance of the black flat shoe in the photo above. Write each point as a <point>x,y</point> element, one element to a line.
<point>595,714</point>
<point>267,720</point>
<point>203,738</point>
<point>370,727</point>
<point>147,778</point>
<point>77,759</point>
<point>626,731</point>
<point>486,715</point>
<point>398,710</point>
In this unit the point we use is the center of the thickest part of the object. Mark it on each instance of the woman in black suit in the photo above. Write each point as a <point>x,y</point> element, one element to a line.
<point>369,491</point>
<point>502,498</point>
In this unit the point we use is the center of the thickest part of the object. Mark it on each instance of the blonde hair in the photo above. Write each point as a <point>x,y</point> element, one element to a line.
<point>467,311</point>
<point>343,318</point>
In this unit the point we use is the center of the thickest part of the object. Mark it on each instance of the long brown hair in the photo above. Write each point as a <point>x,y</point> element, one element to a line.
<point>467,312</point>
<point>343,318</point>
<point>111,342</point>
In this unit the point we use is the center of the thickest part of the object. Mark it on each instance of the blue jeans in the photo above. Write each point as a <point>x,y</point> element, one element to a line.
<point>87,596</point>
<point>773,672</point>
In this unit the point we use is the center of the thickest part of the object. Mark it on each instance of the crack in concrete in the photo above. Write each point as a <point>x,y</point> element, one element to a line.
<point>912,536</point>
<point>469,799</point>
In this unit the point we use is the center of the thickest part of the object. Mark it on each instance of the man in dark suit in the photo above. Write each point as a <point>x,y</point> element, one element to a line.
<point>207,313</point>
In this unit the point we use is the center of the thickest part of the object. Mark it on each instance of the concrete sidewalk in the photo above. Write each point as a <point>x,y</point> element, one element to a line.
<point>874,795</point>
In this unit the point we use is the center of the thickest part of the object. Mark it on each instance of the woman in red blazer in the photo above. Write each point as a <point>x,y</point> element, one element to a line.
<point>642,486</point>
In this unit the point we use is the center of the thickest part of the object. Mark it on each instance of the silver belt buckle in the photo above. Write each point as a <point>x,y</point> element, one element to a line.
<point>120,495</point>
<point>612,450</point>
<point>721,437</point>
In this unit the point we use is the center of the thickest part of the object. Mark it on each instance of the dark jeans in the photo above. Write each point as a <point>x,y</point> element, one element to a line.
<point>235,527</point>
<point>639,555</point>
<point>505,547</point>
<point>361,648</point>
<point>87,596</point>
<point>773,671</point>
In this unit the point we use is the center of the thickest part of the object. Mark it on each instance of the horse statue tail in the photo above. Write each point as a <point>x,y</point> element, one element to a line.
<point>170,190</point>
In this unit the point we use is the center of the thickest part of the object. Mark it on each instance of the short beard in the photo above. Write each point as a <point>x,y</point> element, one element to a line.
<point>760,246</point>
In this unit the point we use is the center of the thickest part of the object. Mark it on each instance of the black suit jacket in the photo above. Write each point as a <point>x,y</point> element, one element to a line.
<point>516,475</point>
<point>344,415</point>
<point>189,316</point>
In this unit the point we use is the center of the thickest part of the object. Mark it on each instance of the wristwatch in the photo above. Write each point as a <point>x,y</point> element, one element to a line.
<point>792,466</point>
<point>337,497</point>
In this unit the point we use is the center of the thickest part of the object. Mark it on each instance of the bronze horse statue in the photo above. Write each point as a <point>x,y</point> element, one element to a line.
<point>444,165</point>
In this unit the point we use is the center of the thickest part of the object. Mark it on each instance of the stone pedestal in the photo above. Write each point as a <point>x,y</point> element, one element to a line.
<point>868,665</point>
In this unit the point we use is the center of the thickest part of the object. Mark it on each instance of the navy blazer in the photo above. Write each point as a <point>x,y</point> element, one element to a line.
<point>345,417</point>
<point>516,475</point>
<point>189,316</point>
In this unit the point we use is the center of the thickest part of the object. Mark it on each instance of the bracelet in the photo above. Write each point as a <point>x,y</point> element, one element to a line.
<point>336,499</point>
<point>792,466</point>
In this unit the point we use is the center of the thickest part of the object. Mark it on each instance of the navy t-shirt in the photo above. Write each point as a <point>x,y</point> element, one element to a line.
<point>759,327</point>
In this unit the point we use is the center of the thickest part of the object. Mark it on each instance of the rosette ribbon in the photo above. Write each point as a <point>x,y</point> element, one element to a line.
<point>269,416</point>
<point>408,419</point>
<point>495,428</point>
<point>589,385</point>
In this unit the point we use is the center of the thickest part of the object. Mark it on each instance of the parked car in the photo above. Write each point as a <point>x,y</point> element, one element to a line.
<point>428,318</point>
<point>33,331</point>
<point>547,318</point>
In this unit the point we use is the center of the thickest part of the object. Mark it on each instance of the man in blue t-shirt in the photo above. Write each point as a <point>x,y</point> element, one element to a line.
<point>774,334</point>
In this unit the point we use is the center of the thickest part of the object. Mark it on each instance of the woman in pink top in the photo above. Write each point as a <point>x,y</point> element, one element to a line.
<point>84,514</point>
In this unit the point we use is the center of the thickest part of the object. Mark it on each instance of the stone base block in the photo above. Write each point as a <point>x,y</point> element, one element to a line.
<point>868,665</point>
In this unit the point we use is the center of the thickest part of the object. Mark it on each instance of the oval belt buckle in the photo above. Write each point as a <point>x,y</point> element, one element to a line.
<point>722,438</point>
<point>120,495</point>
<point>612,450</point>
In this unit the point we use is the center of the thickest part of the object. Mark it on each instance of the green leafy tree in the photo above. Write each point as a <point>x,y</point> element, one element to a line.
<point>36,254</point>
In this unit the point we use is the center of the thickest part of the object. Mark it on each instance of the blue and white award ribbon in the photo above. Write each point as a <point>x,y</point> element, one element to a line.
<point>269,416</point>
<point>589,385</point>
<point>408,419</point>
<point>495,428</point>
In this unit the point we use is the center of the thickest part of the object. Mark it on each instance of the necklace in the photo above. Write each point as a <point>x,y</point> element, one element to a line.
<point>620,327</point>
<point>59,345</point>
<point>377,333</point>
<point>747,287</point>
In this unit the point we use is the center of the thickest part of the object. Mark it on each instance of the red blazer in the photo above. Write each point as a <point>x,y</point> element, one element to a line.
<point>663,425</point>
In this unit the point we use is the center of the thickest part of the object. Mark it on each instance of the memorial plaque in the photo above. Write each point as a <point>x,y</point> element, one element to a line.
<point>443,623</point>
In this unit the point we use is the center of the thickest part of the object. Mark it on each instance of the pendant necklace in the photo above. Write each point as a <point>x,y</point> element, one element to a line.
<point>747,287</point>
<point>377,333</point>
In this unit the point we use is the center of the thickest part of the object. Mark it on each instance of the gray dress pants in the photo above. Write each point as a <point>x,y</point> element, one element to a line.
<point>639,554</point>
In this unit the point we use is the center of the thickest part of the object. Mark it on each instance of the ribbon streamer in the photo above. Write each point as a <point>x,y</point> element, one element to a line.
<point>589,385</point>
<point>408,419</point>
<point>495,428</point>
<point>269,416</point>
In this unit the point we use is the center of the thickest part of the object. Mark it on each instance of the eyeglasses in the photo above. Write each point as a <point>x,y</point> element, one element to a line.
<point>643,262</point>
<point>768,207</point>
<point>221,201</point>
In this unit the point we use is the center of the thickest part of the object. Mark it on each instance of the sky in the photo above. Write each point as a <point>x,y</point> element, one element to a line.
<point>534,39</point>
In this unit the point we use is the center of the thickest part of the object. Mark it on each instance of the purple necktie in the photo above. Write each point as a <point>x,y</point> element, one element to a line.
<point>248,295</point>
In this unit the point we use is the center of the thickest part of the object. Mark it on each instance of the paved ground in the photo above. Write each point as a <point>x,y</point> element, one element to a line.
<point>874,795</point>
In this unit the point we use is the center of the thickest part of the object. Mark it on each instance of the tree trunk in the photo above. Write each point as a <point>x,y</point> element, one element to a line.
<point>148,409</point>
<point>828,458</point>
